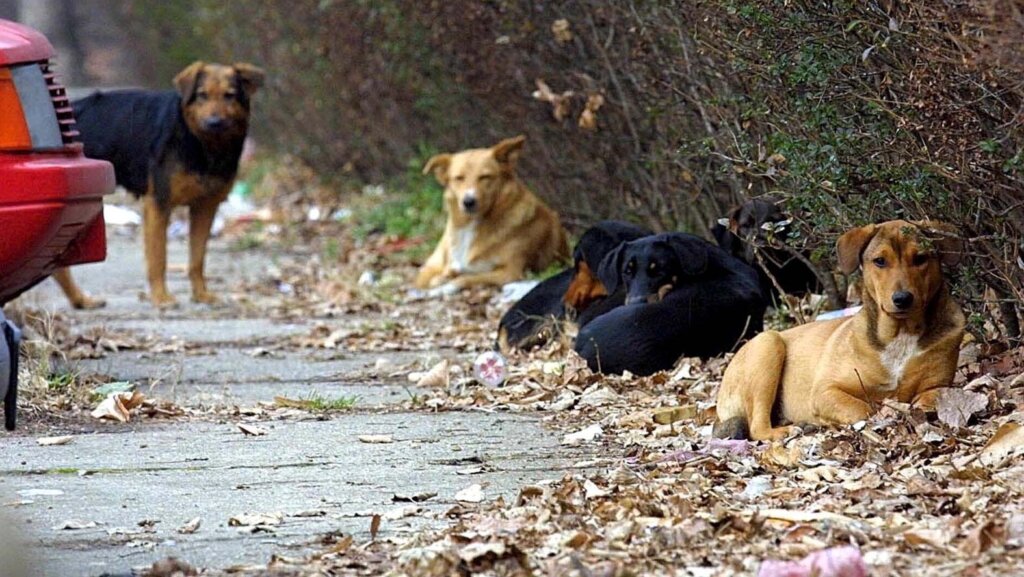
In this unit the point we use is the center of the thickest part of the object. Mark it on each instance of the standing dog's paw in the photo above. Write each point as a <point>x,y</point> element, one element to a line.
<point>163,300</point>
<point>206,298</point>
<point>87,303</point>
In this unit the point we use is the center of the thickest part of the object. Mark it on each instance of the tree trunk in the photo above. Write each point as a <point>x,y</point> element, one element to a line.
<point>56,19</point>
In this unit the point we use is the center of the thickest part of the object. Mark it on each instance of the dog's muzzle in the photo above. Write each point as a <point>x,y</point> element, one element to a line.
<point>902,300</point>
<point>651,298</point>
<point>215,124</point>
<point>469,202</point>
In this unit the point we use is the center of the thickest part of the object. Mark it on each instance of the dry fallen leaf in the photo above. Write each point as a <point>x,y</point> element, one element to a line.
<point>75,525</point>
<point>984,537</point>
<point>592,491</point>
<point>933,538</point>
<point>1007,441</point>
<point>438,376</point>
<point>413,498</point>
<point>588,118</point>
<point>807,516</point>
<point>471,494</point>
<point>51,441</point>
<point>374,527</point>
<point>293,403</point>
<point>586,435</point>
<point>170,567</point>
<point>560,28</point>
<point>402,512</point>
<point>118,406</point>
<point>669,415</point>
<point>560,103</point>
<point>475,551</point>
<point>254,519</point>
<point>191,527</point>
<point>251,430</point>
<point>598,396</point>
<point>955,405</point>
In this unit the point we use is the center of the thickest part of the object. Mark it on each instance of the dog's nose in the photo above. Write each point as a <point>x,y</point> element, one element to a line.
<point>902,299</point>
<point>214,123</point>
<point>469,203</point>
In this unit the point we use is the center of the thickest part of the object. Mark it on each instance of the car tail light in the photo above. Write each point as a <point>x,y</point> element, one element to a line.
<point>14,132</point>
<point>28,120</point>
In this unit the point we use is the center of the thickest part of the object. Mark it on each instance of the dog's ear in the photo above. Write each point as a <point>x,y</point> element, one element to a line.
<point>187,79</point>
<point>734,219</point>
<point>507,151</point>
<point>725,239</point>
<point>438,164</point>
<point>946,240</point>
<point>691,252</point>
<point>610,270</point>
<point>850,246</point>
<point>251,77</point>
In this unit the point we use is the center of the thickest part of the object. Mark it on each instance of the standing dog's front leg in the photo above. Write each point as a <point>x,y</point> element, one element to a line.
<point>201,215</point>
<point>154,233</point>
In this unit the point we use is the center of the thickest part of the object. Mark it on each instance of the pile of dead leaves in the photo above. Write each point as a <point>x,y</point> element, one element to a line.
<point>908,492</point>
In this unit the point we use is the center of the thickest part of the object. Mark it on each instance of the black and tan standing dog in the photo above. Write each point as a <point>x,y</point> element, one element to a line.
<point>173,148</point>
<point>570,293</point>
<point>683,297</point>
<point>903,343</point>
<point>754,232</point>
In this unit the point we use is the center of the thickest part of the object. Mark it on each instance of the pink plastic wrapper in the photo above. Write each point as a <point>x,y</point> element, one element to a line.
<point>490,368</point>
<point>835,562</point>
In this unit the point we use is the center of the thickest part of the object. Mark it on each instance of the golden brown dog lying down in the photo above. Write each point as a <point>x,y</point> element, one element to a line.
<point>903,344</point>
<point>497,229</point>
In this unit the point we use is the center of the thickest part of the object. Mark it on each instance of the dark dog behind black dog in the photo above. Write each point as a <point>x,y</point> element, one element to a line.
<point>575,292</point>
<point>747,237</point>
<point>684,297</point>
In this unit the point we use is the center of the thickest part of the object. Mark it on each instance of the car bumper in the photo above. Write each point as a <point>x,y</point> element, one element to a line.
<point>51,215</point>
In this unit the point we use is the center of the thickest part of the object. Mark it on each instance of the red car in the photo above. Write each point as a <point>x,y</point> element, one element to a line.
<point>51,196</point>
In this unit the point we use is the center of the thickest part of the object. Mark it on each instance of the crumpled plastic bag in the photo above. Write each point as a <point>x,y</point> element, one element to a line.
<point>833,562</point>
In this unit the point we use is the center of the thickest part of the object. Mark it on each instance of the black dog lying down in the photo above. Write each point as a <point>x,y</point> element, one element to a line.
<point>748,231</point>
<point>534,319</point>
<point>683,297</point>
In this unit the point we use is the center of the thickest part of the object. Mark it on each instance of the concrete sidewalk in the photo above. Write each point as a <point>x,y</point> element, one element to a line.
<point>140,482</point>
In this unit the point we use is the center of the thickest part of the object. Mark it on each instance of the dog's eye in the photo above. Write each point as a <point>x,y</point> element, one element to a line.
<point>630,267</point>
<point>653,268</point>
<point>458,178</point>
<point>919,259</point>
<point>230,94</point>
<point>879,262</point>
<point>202,95</point>
<point>484,177</point>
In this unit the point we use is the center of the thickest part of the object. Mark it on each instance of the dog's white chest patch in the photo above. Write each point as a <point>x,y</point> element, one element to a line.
<point>895,357</point>
<point>462,241</point>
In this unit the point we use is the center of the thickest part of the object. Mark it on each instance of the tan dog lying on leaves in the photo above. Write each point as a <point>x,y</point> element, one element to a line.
<point>903,344</point>
<point>497,229</point>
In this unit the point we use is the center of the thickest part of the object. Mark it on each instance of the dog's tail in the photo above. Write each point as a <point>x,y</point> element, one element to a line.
<point>733,428</point>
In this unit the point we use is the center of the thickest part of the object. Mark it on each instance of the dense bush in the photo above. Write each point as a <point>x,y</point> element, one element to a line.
<point>854,111</point>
